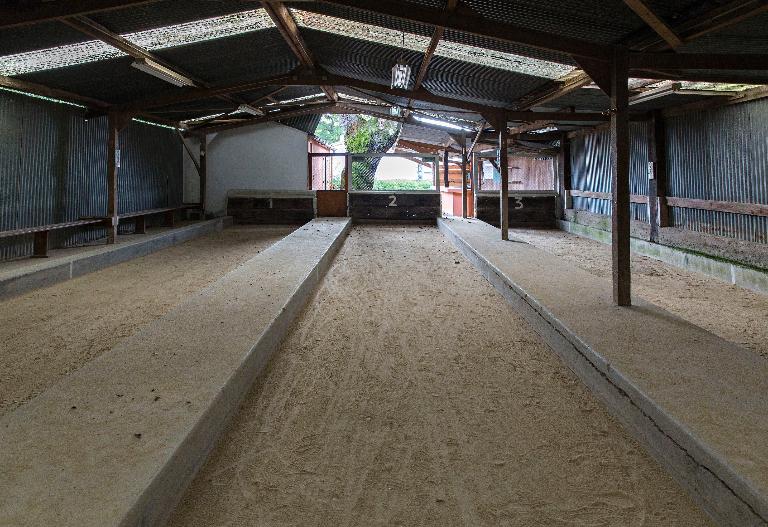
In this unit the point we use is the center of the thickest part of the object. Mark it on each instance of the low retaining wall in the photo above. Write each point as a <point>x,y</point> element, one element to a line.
<point>419,206</point>
<point>118,441</point>
<point>526,209</point>
<point>54,270</point>
<point>730,272</point>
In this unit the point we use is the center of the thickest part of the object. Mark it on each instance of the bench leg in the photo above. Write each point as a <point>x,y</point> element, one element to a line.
<point>169,218</point>
<point>141,225</point>
<point>41,245</point>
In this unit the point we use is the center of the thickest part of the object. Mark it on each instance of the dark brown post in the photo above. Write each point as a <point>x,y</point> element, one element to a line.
<point>464,195</point>
<point>113,162</point>
<point>347,168</point>
<point>140,224</point>
<point>620,177</point>
<point>565,170</point>
<point>203,171</point>
<point>658,211</point>
<point>446,183</point>
<point>40,247</point>
<point>504,172</point>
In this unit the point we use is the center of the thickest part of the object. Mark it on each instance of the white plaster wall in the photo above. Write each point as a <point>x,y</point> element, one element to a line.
<point>269,156</point>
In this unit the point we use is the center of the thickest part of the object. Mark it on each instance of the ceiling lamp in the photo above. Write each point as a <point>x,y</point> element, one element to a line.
<point>401,72</point>
<point>161,72</point>
<point>247,108</point>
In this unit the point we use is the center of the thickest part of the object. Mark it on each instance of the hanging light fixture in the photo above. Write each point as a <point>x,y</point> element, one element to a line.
<point>401,72</point>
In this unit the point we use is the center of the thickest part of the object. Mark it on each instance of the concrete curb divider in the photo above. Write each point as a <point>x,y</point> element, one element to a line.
<point>88,466</point>
<point>49,272</point>
<point>714,484</point>
<point>728,272</point>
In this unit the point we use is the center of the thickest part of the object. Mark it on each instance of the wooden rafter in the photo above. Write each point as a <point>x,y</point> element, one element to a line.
<point>298,79</point>
<point>655,23</point>
<point>54,93</point>
<point>705,23</point>
<point>288,28</point>
<point>437,35</point>
<point>270,117</point>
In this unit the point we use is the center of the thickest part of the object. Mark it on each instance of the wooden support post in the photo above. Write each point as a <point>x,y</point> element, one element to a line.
<point>620,177</point>
<point>504,172</point>
<point>347,169</point>
<point>476,168</point>
<point>170,217</point>
<point>658,211</point>
<point>140,225</point>
<point>113,164</point>
<point>40,245</point>
<point>464,196</point>
<point>446,183</point>
<point>203,171</point>
<point>564,161</point>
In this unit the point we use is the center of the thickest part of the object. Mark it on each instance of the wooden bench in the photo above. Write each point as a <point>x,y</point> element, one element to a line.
<point>41,233</point>
<point>140,217</point>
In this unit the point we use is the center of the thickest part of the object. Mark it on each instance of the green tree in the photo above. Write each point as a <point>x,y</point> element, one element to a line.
<point>330,129</point>
<point>368,135</point>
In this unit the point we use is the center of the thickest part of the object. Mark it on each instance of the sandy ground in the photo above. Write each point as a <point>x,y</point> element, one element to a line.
<point>731,312</point>
<point>50,332</point>
<point>409,393</point>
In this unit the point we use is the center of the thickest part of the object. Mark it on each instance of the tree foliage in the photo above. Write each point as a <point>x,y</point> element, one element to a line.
<point>368,135</point>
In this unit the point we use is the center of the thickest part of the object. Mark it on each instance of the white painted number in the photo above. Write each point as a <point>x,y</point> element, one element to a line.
<point>392,201</point>
<point>518,203</point>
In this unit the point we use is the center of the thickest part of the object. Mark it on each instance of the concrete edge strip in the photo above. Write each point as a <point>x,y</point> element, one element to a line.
<point>728,272</point>
<point>158,501</point>
<point>713,484</point>
<point>26,281</point>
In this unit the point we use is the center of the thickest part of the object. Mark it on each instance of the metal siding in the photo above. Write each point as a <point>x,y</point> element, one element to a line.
<point>720,155</point>
<point>53,169</point>
<point>591,169</point>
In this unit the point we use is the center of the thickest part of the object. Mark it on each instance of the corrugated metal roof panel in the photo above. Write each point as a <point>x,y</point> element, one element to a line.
<point>166,13</point>
<point>506,47</point>
<point>478,83</point>
<point>38,36</point>
<point>226,60</point>
<point>593,20</point>
<point>113,80</point>
<point>306,123</point>
<point>366,17</point>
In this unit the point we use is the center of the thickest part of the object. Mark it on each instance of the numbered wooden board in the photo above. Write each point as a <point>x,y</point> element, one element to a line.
<point>271,210</point>
<point>524,210</point>
<point>395,206</point>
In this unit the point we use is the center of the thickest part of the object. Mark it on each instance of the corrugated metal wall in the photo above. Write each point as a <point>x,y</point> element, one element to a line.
<point>53,169</point>
<point>591,169</point>
<point>719,155</point>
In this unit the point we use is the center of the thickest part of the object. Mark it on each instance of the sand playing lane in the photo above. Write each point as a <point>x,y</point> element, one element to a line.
<point>409,393</point>
<point>50,332</point>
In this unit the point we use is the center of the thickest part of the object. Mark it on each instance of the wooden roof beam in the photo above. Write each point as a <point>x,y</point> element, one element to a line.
<point>437,35</point>
<point>655,23</point>
<point>270,117</point>
<point>713,20</point>
<point>288,28</point>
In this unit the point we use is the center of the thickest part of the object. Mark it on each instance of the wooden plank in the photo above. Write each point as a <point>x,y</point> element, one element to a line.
<point>620,218</point>
<point>464,196</point>
<point>53,93</point>
<point>140,225</point>
<point>657,24</point>
<point>203,173</point>
<point>50,227</point>
<point>753,209</point>
<point>633,198</point>
<point>331,203</point>
<point>698,61</point>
